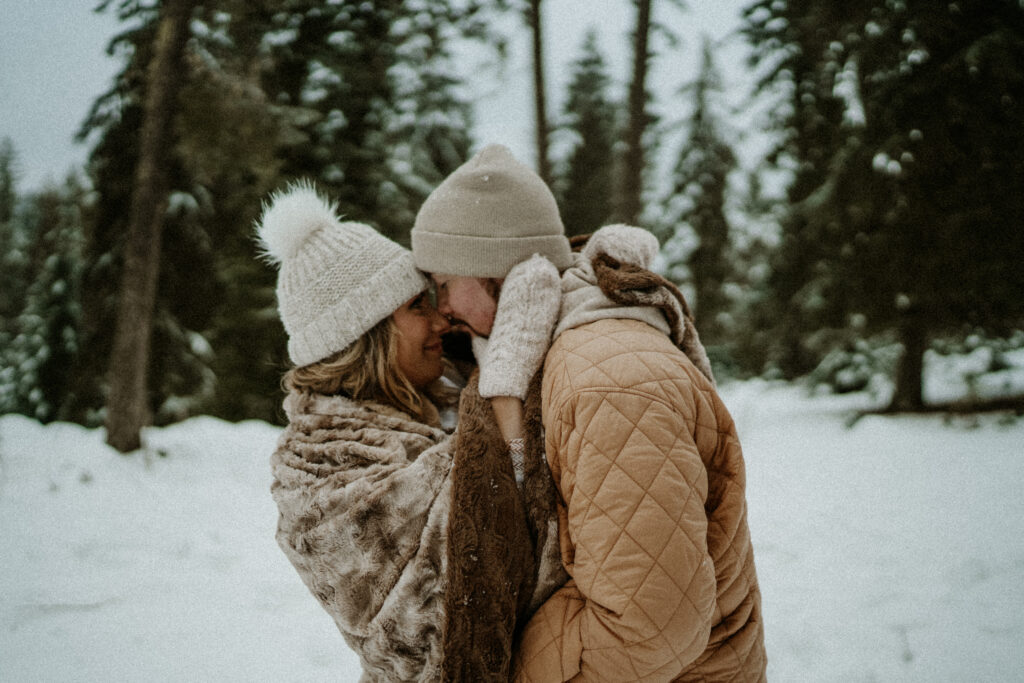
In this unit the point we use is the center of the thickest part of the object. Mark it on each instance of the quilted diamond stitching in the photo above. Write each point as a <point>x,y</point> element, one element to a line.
<point>691,488</point>
<point>702,414</point>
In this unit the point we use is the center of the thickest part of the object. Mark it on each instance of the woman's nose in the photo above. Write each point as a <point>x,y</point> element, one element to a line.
<point>440,322</point>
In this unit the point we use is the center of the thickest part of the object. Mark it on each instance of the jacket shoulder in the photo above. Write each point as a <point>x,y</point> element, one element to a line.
<point>618,354</point>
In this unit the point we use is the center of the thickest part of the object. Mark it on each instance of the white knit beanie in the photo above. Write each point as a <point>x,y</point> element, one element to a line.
<point>337,280</point>
<point>488,215</point>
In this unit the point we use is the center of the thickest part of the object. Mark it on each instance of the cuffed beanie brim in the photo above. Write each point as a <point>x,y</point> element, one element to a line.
<point>377,297</point>
<point>488,215</point>
<point>472,256</point>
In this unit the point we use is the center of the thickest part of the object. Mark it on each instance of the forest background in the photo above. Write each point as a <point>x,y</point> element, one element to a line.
<point>841,202</point>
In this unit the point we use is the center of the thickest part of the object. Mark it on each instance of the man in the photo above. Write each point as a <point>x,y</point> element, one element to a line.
<point>650,476</point>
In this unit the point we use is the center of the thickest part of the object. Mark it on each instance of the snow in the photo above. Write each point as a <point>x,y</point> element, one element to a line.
<point>890,550</point>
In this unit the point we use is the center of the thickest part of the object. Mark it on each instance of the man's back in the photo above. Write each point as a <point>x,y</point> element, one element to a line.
<point>652,518</point>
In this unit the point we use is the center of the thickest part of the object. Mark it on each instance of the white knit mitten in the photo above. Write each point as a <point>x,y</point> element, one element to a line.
<point>526,314</point>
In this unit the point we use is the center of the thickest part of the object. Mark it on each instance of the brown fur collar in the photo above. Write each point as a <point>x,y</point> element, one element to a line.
<point>541,498</point>
<point>499,540</point>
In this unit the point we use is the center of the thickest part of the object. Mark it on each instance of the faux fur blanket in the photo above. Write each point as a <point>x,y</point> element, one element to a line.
<point>418,544</point>
<point>363,496</point>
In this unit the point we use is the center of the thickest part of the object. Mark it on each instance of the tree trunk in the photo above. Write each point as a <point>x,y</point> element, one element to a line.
<point>631,182</point>
<point>128,402</point>
<point>908,396</point>
<point>539,92</point>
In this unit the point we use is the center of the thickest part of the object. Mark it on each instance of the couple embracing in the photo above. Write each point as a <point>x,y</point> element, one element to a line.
<point>573,509</point>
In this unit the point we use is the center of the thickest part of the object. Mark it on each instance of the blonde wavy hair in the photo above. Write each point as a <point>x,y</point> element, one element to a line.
<point>368,370</point>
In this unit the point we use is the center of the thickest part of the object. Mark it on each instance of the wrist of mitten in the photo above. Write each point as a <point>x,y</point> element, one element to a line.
<point>519,340</point>
<point>517,451</point>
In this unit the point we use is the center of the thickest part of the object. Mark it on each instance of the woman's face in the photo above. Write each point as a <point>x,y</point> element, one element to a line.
<point>420,327</point>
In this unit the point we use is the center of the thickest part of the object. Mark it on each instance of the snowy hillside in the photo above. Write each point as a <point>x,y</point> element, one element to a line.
<point>889,551</point>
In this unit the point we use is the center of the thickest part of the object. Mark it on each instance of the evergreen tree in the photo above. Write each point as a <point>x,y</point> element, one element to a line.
<point>36,363</point>
<point>184,302</point>
<point>920,175</point>
<point>376,141</point>
<point>540,99</point>
<point>793,43</point>
<point>934,182</point>
<point>8,182</point>
<point>639,135</point>
<point>128,374</point>
<point>362,98</point>
<point>630,196</point>
<point>354,80</point>
<point>697,204</point>
<point>586,185</point>
<point>427,127</point>
<point>13,243</point>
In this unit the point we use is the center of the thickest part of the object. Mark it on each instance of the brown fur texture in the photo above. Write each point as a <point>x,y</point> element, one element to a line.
<point>541,498</point>
<point>419,590</point>
<point>362,492</point>
<point>492,563</point>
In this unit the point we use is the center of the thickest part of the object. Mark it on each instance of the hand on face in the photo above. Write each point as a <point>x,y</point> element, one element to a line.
<point>420,327</point>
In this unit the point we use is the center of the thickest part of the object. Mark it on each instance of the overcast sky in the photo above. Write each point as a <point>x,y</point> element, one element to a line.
<point>53,65</point>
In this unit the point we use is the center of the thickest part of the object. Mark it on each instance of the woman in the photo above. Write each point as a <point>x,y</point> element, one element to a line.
<point>386,516</point>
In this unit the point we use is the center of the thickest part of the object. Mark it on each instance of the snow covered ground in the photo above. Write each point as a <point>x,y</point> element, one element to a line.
<point>889,551</point>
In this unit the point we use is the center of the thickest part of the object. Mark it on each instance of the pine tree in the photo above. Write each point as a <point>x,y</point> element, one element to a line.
<point>427,126</point>
<point>586,183</point>
<point>13,257</point>
<point>353,80</point>
<point>934,183</point>
<point>128,375</point>
<point>184,301</point>
<point>885,208</point>
<point>361,98</point>
<point>630,196</point>
<point>639,137</point>
<point>8,181</point>
<point>697,204</point>
<point>540,100</point>
<point>35,365</point>
<point>793,43</point>
<point>378,141</point>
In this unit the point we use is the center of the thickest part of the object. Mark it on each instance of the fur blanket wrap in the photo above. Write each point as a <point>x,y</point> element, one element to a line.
<point>417,543</point>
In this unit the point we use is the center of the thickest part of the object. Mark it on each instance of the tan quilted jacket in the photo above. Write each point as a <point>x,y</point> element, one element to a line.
<point>652,519</point>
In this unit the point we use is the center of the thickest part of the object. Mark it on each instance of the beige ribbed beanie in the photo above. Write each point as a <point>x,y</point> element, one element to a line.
<point>337,280</point>
<point>490,214</point>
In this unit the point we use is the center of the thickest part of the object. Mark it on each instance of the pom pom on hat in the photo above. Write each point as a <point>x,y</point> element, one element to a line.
<point>289,218</point>
<point>337,279</point>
